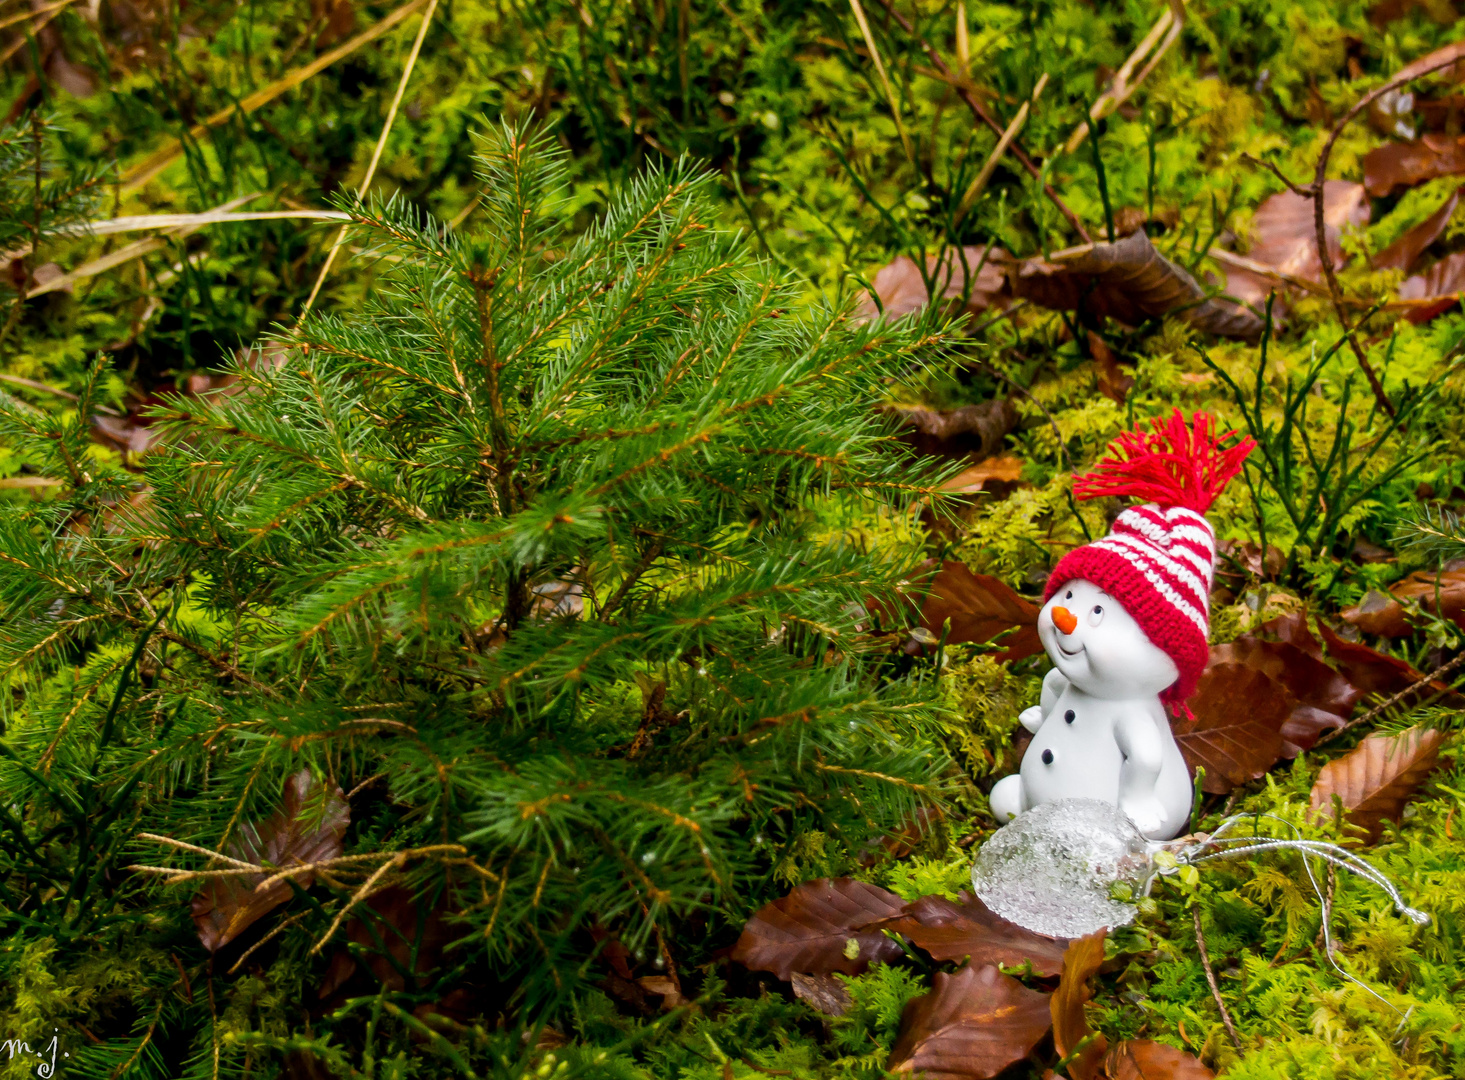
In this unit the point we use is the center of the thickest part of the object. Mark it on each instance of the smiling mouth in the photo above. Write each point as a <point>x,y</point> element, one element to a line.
<point>1067,652</point>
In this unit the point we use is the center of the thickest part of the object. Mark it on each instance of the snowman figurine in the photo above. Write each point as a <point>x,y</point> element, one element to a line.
<point>1125,623</point>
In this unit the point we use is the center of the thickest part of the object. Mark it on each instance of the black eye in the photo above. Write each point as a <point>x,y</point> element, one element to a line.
<point>1068,596</point>
<point>1098,610</point>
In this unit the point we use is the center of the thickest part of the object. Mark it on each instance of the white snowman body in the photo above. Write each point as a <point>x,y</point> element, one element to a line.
<point>1099,729</point>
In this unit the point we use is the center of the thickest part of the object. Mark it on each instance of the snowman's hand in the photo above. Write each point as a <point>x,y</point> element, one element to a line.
<point>1032,718</point>
<point>1146,811</point>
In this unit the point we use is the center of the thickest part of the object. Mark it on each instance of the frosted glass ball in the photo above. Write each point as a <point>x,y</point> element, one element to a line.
<point>1052,868</point>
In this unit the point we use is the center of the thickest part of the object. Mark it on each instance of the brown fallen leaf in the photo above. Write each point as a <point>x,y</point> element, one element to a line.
<point>971,1026</point>
<point>1387,615</point>
<point>393,935</point>
<point>1322,698</point>
<point>1129,281</point>
<point>1375,779</point>
<point>1114,381</point>
<point>980,608</point>
<point>823,993</point>
<point>1436,290</point>
<point>902,289</point>
<point>1407,164</point>
<point>1284,234</point>
<point>1404,252</point>
<point>1372,671</point>
<point>820,928</point>
<point>1005,470</point>
<point>951,930</point>
<point>1235,730</point>
<point>308,828</point>
<point>972,429</point>
<point>1142,1059</point>
<point>663,986</point>
<point>1070,1026</point>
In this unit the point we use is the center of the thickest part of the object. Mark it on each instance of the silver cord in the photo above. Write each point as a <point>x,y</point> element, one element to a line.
<point>1231,847</point>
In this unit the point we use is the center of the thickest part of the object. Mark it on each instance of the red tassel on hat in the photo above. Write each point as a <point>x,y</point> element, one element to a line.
<point>1174,465</point>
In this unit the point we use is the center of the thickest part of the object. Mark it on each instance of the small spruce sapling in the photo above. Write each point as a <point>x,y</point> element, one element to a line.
<point>521,556</point>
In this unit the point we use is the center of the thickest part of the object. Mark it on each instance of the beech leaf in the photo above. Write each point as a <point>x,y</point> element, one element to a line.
<point>1442,284</point>
<point>1081,962</point>
<point>1376,778</point>
<point>822,926</point>
<point>1284,237</point>
<point>902,289</point>
<point>969,929</point>
<point>1387,616</point>
<point>1322,697</point>
<point>823,993</point>
<point>971,1026</point>
<point>1404,252</point>
<point>1406,164</point>
<point>1235,731</point>
<point>1142,1059</point>
<point>308,828</point>
<point>980,608</point>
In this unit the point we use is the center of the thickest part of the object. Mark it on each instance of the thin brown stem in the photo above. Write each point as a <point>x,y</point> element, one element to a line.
<point>1205,961</point>
<point>649,556</point>
<point>1441,59</point>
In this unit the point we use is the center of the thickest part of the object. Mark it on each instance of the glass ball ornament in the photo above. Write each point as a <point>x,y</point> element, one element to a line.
<point>1053,868</point>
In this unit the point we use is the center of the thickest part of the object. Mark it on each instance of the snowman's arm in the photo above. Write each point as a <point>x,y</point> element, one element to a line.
<point>1053,686</point>
<point>1144,752</point>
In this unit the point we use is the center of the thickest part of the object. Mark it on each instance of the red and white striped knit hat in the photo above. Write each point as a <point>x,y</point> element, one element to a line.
<point>1159,558</point>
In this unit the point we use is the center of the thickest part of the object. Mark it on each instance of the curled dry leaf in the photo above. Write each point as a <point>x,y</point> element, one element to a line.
<point>1142,1059</point>
<point>902,289</point>
<point>1376,778</point>
<point>1235,730</point>
<point>308,828</point>
<point>951,930</point>
<point>972,429</point>
<point>1407,164</point>
<point>1129,281</point>
<point>971,1026</point>
<point>1114,381</point>
<point>980,608</point>
<point>1372,671</point>
<point>823,993</point>
<point>1387,615</point>
<point>1404,252</point>
<point>1070,1027</point>
<point>820,927</point>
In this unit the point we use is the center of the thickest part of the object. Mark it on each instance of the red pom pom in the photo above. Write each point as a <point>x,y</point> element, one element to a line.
<point>1176,464</point>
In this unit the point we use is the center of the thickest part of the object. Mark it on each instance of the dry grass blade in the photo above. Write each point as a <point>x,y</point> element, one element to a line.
<point>50,9</point>
<point>376,156</point>
<point>43,19</point>
<point>179,226</point>
<point>160,159</point>
<point>979,182</point>
<point>884,78</point>
<point>1120,87</point>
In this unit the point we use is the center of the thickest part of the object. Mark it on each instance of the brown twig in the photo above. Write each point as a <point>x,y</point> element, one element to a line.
<point>980,112</point>
<point>1205,961</point>
<point>1410,72</point>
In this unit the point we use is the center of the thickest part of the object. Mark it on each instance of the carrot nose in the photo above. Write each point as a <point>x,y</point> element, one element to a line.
<point>1064,619</point>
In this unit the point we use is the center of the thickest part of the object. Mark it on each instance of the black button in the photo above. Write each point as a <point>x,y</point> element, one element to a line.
<point>1047,757</point>
<point>1070,716</point>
